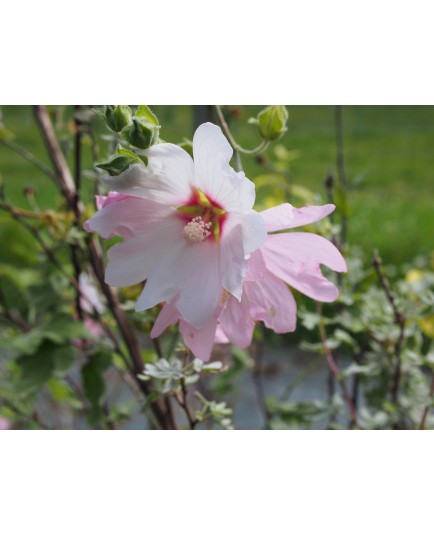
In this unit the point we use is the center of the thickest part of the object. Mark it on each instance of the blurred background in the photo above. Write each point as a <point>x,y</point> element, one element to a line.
<point>376,163</point>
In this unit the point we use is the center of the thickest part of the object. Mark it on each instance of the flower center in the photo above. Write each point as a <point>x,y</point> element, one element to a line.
<point>197,230</point>
<point>204,218</point>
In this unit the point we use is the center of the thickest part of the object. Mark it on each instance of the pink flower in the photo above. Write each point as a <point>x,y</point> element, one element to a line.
<point>91,300</point>
<point>284,259</point>
<point>188,227</point>
<point>5,424</point>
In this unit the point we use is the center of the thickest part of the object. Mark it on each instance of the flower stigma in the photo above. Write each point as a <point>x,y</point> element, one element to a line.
<point>197,230</point>
<point>207,218</point>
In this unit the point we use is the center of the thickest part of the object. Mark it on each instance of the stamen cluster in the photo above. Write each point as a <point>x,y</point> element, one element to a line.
<point>197,230</point>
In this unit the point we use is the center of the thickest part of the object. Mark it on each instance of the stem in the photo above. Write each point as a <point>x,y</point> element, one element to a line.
<point>300,377</point>
<point>340,162</point>
<point>399,320</point>
<point>27,155</point>
<point>258,380</point>
<point>236,147</point>
<point>75,247</point>
<point>428,407</point>
<point>182,398</point>
<point>335,370</point>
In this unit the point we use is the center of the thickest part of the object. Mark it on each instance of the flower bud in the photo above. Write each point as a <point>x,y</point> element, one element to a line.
<point>141,133</point>
<point>272,122</point>
<point>118,117</point>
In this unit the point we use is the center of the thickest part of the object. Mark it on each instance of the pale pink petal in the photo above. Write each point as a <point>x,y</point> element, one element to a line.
<point>5,424</point>
<point>214,175</point>
<point>271,302</point>
<point>220,337</point>
<point>296,257</point>
<point>168,177</point>
<point>135,259</point>
<point>193,271</point>
<point>254,232</point>
<point>256,267</point>
<point>128,217</point>
<point>93,327</point>
<point>233,266</point>
<point>112,197</point>
<point>237,323</point>
<point>200,341</point>
<point>286,216</point>
<point>169,315</point>
<point>90,298</point>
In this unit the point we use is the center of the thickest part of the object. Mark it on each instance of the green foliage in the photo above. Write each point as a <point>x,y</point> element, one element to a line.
<point>94,384</point>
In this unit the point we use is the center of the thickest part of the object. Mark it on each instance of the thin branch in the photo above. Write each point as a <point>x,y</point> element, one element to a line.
<point>399,320</point>
<point>257,374</point>
<point>335,370</point>
<point>428,407</point>
<point>27,155</point>
<point>340,163</point>
<point>77,213</point>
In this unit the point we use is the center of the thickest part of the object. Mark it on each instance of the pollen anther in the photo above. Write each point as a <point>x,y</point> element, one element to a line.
<point>197,230</point>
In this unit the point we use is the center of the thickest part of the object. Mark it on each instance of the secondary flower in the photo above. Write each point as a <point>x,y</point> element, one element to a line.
<point>188,227</point>
<point>284,259</point>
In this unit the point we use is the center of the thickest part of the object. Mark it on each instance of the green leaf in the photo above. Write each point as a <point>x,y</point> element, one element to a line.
<point>118,164</point>
<point>60,329</point>
<point>94,384</point>
<point>64,358</point>
<point>35,370</point>
<point>148,114</point>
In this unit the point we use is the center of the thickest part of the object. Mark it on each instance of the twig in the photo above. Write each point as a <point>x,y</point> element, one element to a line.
<point>340,162</point>
<point>300,377</point>
<point>76,207</point>
<point>428,407</point>
<point>258,355</point>
<point>335,370</point>
<point>33,417</point>
<point>62,173</point>
<point>399,320</point>
<point>10,315</point>
<point>27,155</point>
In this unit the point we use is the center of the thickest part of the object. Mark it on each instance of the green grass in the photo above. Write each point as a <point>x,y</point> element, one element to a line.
<point>389,157</point>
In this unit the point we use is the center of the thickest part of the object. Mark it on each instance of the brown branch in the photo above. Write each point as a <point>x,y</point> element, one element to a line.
<point>63,175</point>
<point>428,407</point>
<point>335,370</point>
<point>399,320</point>
<point>182,398</point>
<point>66,184</point>
<point>257,374</point>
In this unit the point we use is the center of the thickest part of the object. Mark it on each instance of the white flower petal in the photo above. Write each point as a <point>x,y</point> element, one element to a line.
<point>212,153</point>
<point>192,271</point>
<point>168,177</point>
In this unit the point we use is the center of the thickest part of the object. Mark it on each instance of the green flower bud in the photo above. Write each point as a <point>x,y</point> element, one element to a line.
<point>272,122</point>
<point>118,117</point>
<point>141,133</point>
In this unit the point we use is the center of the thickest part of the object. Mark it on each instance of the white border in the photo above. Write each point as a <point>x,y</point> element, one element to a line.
<point>255,483</point>
<point>191,52</point>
